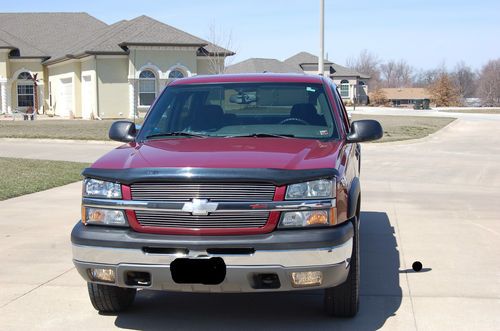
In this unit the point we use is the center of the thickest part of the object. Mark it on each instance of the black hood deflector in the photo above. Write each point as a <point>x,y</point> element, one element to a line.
<point>277,177</point>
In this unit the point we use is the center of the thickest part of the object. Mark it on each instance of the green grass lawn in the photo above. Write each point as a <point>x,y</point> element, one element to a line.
<point>24,176</point>
<point>395,127</point>
<point>406,127</point>
<point>56,129</point>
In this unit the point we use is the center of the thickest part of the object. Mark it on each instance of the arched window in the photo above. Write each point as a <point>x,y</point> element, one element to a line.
<point>174,74</point>
<point>344,88</point>
<point>24,75</point>
<point>25,90</point>
<point>147,88</point>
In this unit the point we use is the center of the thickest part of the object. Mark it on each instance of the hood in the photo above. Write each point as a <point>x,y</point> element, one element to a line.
<point>273,153</point>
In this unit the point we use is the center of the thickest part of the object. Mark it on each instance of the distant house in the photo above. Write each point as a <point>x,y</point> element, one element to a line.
<point>407,97</point>
<point>259,65</point>
<point>352,84</point>
<point>87,68</point>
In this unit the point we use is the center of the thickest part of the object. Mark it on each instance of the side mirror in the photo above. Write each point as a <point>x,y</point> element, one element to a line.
<point>123,131</point>
<point>365,130</point>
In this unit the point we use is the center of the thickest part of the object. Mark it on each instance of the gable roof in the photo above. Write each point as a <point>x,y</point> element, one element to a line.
<point>407,93</point>
<point>304,60</point>
<point>254,65</point>
<point>43,34</point>
<point>67,35</point>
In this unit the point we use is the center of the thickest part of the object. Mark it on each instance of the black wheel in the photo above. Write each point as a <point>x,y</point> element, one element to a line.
<point>343,300</point>
<point>110,299</point>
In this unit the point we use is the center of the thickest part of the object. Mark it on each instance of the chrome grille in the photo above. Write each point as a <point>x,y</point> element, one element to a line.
<point>214,192</point>
<point>214,220</point>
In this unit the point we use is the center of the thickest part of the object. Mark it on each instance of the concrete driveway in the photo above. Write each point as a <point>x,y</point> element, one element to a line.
<point>434,200</point>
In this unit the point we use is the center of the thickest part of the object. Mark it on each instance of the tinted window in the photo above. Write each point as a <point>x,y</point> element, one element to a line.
<point>220,110</point>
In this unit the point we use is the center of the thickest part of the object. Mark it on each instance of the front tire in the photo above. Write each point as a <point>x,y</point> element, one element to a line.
<point>110,299</point>
<point>343,300</point>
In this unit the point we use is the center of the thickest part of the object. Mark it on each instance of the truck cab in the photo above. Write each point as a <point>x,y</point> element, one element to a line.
<point>234,183</point>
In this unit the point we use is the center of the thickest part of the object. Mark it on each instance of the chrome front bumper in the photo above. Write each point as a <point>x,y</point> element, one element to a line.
<point>333,262</point>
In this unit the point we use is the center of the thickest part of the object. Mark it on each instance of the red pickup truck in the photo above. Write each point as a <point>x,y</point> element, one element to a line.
<point>234,183</point>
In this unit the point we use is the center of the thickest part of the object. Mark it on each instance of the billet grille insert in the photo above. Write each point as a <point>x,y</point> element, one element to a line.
<point>214,220</point>
<point>214,192</point>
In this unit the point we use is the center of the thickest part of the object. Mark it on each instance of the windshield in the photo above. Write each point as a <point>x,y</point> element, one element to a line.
<point>241,109</point>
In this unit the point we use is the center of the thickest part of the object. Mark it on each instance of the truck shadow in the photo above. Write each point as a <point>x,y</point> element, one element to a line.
<point>380,298</point>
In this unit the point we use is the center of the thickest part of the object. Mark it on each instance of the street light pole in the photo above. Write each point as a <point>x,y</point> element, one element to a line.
<point>321,64</point>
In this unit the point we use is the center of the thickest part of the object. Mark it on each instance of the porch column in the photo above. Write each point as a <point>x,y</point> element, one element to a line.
<point>132,99</point>
<point>41,98</point>
<point>8,92</point>
<point>3,96</point>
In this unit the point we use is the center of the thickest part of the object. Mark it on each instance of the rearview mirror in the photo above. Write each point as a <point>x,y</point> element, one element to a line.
<point>365,130</point>
<point>243,98</point>
<point>123,131</point>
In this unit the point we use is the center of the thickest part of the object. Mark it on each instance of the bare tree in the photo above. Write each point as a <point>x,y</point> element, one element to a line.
<point>396,74</point>
<point>465,80</point>
<point>366,63</point>
<point>489,83</point>
<point>426,78</point>
<point>388,73</point>
<point>220,43</point>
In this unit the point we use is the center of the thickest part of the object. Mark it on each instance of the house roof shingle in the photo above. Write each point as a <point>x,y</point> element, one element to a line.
<point>304,59</point>
<point>9,41</point>
<point>407,93</point>
<point>62,35</point>
<point>47,33</point>
<point>262,65</point>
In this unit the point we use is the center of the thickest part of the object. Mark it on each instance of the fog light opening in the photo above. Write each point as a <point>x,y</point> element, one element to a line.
<point>102,275</point>
<point>307,278</point>
<point>138,278</point>
<point>265,281</point>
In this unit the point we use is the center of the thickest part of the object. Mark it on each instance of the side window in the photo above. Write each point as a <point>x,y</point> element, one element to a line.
<point>343,113</point>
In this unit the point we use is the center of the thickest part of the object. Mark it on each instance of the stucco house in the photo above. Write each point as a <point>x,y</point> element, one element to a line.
<point>72,64</point>
<point>352,84</point>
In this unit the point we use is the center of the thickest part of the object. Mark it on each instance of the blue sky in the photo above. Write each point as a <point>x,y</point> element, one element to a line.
<point>427,33</point>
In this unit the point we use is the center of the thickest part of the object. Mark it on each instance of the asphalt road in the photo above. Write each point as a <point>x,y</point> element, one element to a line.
<point>433,200</point>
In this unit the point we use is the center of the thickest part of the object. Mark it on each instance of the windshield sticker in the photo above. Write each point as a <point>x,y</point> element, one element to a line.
<point>310,89</point>
<point>323,132</point>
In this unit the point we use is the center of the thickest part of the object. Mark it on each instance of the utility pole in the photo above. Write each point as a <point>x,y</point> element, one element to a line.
<point>321,64</point>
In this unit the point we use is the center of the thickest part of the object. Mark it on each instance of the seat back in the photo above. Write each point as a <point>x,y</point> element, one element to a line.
<point>209,118</point>
<point>308,113</point>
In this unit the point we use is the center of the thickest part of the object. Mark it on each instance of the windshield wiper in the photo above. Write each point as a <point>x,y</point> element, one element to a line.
<point>176,134</point>
<point>272,135</point>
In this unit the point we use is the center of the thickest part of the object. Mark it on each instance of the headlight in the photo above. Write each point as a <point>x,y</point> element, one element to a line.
<point>299,219</point>
<point>321,188</point>
<point>101,189</point>
<point>104,216</point>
